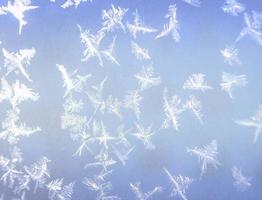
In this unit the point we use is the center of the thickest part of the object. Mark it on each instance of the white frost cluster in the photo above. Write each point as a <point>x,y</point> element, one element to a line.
<point>233,7</point>
<point>17,9</point>
<point>241,182</point>
<point>254,121</point>
<point>207,156</point>
<point>172,26</point>
<point>230,81</point>
<point>252,27</point>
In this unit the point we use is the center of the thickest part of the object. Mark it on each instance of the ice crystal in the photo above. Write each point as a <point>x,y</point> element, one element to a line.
<point>194,105</point>
<point>179,184</point>
<point>104,137</point>
<point>18,61</point>
<point>72,82</point>
<point>16,93</point>
<point>195,3</point>
<point>135,187</point>
<point>197,82</point>
<point>92,47</point>
<point>233,7</point>
<point>138,26</point>
<point>207,155</point>
<point>146,78</point>
<point>139,52</point>
<point>172,26</point>
<point>132,101</point>
<point>254,121</point>
<point>39,172</point>
<point>230,55</point>
<point>145,135</point>
<point>17,9</point>
<point>123,156</point>
<point>230,81</point>
<point>113,18</point>
<point>172,109</point>
<point>13,129</point>
<point>252,27</point>
<point>241,182</point>
<point>75,3</point>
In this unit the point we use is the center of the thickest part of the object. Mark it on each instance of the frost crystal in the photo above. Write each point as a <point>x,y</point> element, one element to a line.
<point>139,52</point>
<point>179,184</point>
<point>197,82</point>
<point>16,93</point>
<point>75,3</point>
<point>108,53</point>
<point>195,3</point>
<point>138,26</point>
<point>92,47</point>
<point>39,172</point>
<point>194,105</point>
<point>95,95</point>
<point>17,9</point>
<point>123,156</point>
<point>145,135</point>
<point>233,7</point>
<point>146,78</point>
<point>172,109</point>
<point>135,187</point>
<point>104,137</point>
<point>122,136</point>
<point>207,155</point>
<point>13,129</point>
<point>100,186</point>
<point>230,81</point>
<point>72,82</point>
<point>59,192</point>
<point>172,26</point>
<point>113,18</point>
<point>19,61</point>
<point>86,140</point>
<point>252,27</point>
<point>91,43</point>
<point>241,182</point>
<point>230,55</point>
<point>132,101</point>
<point>255,122</point>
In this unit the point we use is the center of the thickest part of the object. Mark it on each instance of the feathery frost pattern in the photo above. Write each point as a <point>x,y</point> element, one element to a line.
<point>252,27</point>
<point>230,81</point>
<point>17,9</point>
<point>70,3</point>
<point>135,187</point>
<point>92,46</point>
<point>254,121</point>
<point>241,182</point>
<point>139,52</point>
<point>173,109</point>
<point>113,100</point>
<point>230,55</point>
<point>195,3</point>
<point>179,184</point>
<point>207,155</point>
<point>233,7</point>
<point>145,78</point>
<point>197,82</point>
<point>138,26</point>
<point>172,26</point>
<point>18,61</point>
<point>145,134</point>
<point>113,18</point>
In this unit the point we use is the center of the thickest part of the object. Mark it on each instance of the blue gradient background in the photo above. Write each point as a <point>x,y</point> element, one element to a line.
<point>52,31</point>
